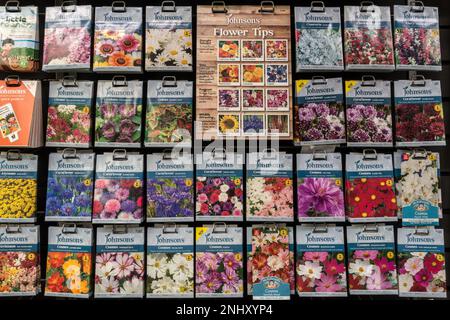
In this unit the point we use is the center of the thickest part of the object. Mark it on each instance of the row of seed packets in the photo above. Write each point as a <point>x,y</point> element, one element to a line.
<point>418,269</point>
<point>369,43</point>
<point>117,40</point>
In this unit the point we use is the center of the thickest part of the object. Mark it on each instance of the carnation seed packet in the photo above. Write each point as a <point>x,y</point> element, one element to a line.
<point>416,42</point>
<point>219,270</point>
<point>421,262</point>
<point>168,121</point>
<point>19,38</point>
<point>19,254</point>
<point>168,38</point>
<point>69,114</point>
<point>419,113</point>
<point>170,188</point>
<point>118,113</point>
<point>219,190</point>
<point>371,260</point>
<point>67,38</point>
<point>319,112</point>
<point>320,194</point>
<point>320,261</point>
<point>119,262</point>
<point>270,193</point>
<point>369,114</point>
<point>70,186</point>
<point>368,38</point>
<point>118,39</point>
<point>69,262</point>
<point>318,38</point>
<point>118,193</point>
<point>170,262</point>
<point>370,195</point>
<point>18,187</point>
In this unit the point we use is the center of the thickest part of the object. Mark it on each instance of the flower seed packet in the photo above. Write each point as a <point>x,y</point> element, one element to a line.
<point>170,189</point>
<point>416,42</point>
<point>421,263</point>
<point>253,124</point>
<point>219,270</point>
<point>320,267</point>
<point>369,113</point>
<point>67,38</point>
<point>371,260</point>
<point>320,194</point>
<point>277,99</point>
<point>277,74</point>
<point>69,114</point>
<point>270,193</point>
<point>119,262</point>
<point>370,195</point>
<point>229,99</point>
<point>419,113</point>
<point>19,254</point>
<point>168,38</point>
<point>368,38</point>
<point>318,38</point>
<point>252,50</point>
<point>168,121</point>
<point>69,262</point>
<point>278,124</point>
<point>228,50</point>
<point>319,112</point>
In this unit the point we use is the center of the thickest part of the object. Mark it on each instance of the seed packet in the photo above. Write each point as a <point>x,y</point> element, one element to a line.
<point>168,38</point>
<point>119,262</point>
<point>118,194</point>
<point>67,40</point>
<point>219,270</point>
<point>219,187</point>
<point>421,263</point>
<point>320,194</point>
<point>370,195</point>
<point>416,31</point>
<point>19,254</point>
<point>118,39</point>
<point>419,113</point>
<point>118,113</point>
<point>69,262</point>
<point>369,114</point>
<point>168,121</point>
<point>319,112</point>
<point>270,193</point>
<point>368,38</point>
<point>170,189</point>
<point>318,38</point>
<point>70,186</point>
<point>18,187</point>
<point>371,260</point>
<point>320,261</point>
<point>69,114</point>
<point>19,38</point>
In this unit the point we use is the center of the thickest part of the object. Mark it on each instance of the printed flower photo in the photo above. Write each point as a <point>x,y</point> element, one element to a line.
<point>228,99</point>
<point>277,75</point>
<point>253,99</point>
<point>276,50</point>
<point>20,272</point>
<point>68,124</point>
<point>253,124</point>
<point>228,50</point>
<point>417,47</point>
<point>278,124</point>
<point>277,99</point>
<point>18,198</point>
<point>168,48</point>
<point>252,74</point>
<point>229,124</point>
<point>252,50</point>
<point>228,74</point>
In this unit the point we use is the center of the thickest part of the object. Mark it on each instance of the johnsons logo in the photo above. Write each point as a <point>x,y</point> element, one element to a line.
<point>61,238</point>
<point>109,238</point>
<point>366,91</point>
<point>314,90</point>
<point>160,239</point>
<point>210,238</point>
<point>211,164</point>
<point>61,164</point>
<point>310,237</point>
<point>160,165</point>
<point>111,166</point>
<point>368,166</point>
<point>311,164</point>
<point>5,165</point>
<point>69,93</point>
<point>114,92</point>
<point>412,238</point>
<point>260,164</point>
<point>7,238</point>
<point>235,20</point>
<point>408,91</point>
<point>160,91</point>
<point>411,15</point>
<point>360,236</point>
<point>317,18</point>
<point>164,17</point>
<point>119,18</point>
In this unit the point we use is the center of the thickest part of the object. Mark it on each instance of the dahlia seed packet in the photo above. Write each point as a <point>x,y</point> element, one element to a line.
<point>318,38</point>
<point>170,262</point>
<point>417,44</point>
<point>270,192</point>
<point>419,113</point>
<point>371,260</point>
<point>319,116</point>
<point>69,262</point>
<point>67,40</point>
<point>19,254</point>
<point>70,186</point>
<point>119,262</point>
<point>421,263</point>
<point>369,114</point>
<point>219,270</point>
<point>320,194</point>
<point>320,266</point>
<point>370,195</point>
<point>170,188</point>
